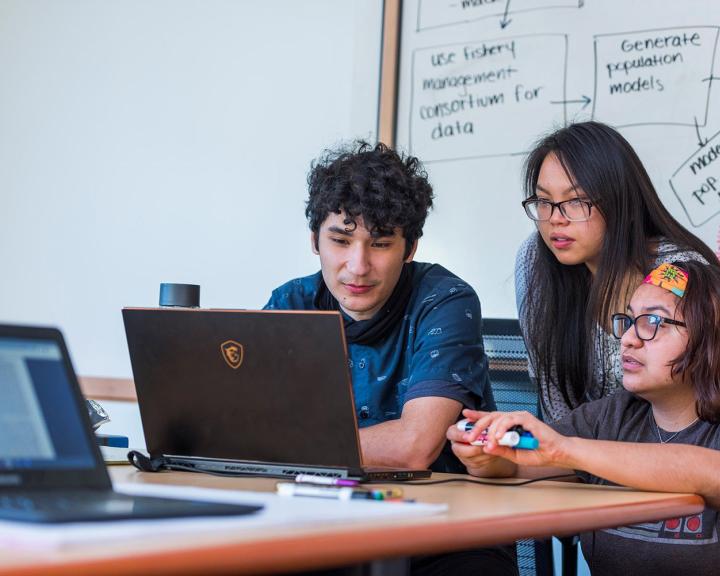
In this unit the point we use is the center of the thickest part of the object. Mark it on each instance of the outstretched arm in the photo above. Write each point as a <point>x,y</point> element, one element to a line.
<point>414,440</point>
<point>661,467</point>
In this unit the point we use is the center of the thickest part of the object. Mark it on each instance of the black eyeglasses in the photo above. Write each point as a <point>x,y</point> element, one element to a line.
<point>646,325</point>
<point>540,210</point>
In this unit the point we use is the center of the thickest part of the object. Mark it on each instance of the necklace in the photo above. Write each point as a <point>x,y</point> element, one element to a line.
<point>672,436</point>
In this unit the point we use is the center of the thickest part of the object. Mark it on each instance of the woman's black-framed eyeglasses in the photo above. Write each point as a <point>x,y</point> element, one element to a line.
<point>646,325</point>
<point>575,209</point>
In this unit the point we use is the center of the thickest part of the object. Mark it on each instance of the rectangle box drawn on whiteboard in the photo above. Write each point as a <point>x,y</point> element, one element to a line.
<point>469,100</point>
<point>654,76</point>
<point>438,13</point>
<point>696,183</point>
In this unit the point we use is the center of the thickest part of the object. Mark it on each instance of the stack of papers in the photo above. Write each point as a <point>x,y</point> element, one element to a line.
<point>113,455</point>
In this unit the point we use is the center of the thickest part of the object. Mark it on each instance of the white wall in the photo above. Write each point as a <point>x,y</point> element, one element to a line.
<point>148,141</point>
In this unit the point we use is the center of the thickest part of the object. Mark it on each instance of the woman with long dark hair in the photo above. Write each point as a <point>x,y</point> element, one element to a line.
<point>600,224</point>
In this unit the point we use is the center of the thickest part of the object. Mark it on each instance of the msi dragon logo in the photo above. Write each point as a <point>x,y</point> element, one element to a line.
<point>232,353</point>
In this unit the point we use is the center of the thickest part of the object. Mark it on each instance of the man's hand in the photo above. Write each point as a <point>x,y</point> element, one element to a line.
<point>477,461</point>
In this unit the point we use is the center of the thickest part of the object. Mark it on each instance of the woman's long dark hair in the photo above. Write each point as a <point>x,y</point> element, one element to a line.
<point>565,303</point>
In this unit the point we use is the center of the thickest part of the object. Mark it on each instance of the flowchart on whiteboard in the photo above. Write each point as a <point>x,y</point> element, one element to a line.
<point>464,94</point>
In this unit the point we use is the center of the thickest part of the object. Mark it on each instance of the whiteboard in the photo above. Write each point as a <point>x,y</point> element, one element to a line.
<point>149,141</point>
<point>481,80</point>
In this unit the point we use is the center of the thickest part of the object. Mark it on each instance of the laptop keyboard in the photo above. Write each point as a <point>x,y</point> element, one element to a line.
<point>18,503</point>
<point>57,503</point>
<point>35,503</point>
<point>95,505</point>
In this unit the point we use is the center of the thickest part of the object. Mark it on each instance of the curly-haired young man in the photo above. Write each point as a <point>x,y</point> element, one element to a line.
<point>413,329</point>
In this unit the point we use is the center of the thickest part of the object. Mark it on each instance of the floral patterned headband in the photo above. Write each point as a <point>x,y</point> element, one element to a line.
<point>669,277</point>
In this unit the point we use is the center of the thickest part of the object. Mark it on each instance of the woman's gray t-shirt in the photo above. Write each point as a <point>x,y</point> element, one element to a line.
<point>687,545</point>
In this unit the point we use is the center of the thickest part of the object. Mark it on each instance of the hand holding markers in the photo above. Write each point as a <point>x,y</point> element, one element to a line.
<point>517,438</point>
<point>491,428</point>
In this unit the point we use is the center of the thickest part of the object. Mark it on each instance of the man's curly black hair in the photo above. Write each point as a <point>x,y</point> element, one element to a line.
<point>375,183</point>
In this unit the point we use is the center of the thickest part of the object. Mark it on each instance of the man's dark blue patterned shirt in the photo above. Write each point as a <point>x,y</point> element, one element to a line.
<point>435,350</point>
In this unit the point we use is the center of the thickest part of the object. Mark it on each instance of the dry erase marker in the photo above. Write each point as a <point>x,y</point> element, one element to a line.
<point>325,480</point>
<point>387,494</point>
<point>514,439</point>
<point>331,492</point>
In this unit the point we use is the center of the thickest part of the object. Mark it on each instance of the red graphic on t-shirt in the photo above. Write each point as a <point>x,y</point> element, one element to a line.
<point>672,525</point>
<point>693,524</point>
<point>692,530</point>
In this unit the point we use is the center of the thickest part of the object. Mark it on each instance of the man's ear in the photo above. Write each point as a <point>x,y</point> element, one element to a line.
<point>313,243</point>
<point>410,256</point>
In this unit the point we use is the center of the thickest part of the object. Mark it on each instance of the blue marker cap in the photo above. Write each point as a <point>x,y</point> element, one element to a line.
<point>528,442</point>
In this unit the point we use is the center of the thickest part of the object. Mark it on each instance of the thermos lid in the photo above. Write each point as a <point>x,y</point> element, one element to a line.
<point>185,295</point>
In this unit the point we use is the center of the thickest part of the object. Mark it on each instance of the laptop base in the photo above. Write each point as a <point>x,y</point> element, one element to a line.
<point>283,471</point>
<point>106,505</point>
<point>250,468</point>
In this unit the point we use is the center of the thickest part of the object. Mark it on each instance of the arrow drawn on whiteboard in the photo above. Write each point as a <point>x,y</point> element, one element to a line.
<point>584,101</point>
<point>505,20</point>
<point>701,141</point>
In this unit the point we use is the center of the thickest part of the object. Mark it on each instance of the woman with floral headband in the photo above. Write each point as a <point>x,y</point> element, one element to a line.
<point>662,432</point>
<point>600,225</point>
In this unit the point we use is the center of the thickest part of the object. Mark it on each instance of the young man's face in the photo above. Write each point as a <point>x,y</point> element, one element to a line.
<point>359,269</point>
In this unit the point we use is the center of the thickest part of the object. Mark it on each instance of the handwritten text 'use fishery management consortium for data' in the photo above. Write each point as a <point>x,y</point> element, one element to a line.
<point>486,98</point>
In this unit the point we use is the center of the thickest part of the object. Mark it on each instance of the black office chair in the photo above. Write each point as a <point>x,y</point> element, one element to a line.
<point>513,390</point>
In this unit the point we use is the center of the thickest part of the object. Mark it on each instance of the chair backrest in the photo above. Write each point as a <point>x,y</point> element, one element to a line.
<point>513,390</point>
<point>508,362</point>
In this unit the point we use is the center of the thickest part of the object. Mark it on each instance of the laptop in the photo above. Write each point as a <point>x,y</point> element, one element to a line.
<point>50,465</point>
<point>248,392</point>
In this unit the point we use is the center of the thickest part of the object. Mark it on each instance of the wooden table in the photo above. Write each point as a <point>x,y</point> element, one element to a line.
<point>477,516</point>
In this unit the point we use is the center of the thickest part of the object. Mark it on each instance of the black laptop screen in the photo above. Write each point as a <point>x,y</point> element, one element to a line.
<point>40,427</point>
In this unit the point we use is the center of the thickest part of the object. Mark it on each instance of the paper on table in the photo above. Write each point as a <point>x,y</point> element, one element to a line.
<point>278,511</point>
<point>114,455</point>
